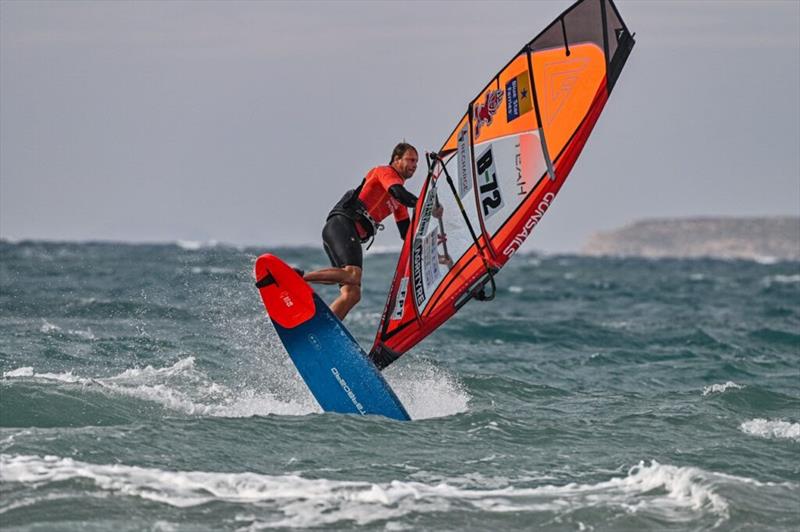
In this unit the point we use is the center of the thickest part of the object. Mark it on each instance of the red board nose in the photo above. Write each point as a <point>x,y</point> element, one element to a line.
<point>287,297</point>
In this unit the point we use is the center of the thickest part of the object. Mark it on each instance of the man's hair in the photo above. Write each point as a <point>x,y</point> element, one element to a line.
<point>400,150</point>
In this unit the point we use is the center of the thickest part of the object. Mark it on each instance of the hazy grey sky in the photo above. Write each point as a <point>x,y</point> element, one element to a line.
<point>244,122</point>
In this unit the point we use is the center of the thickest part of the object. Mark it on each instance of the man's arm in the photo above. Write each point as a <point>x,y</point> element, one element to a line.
<point>402,195</point>
<point>402,226</point>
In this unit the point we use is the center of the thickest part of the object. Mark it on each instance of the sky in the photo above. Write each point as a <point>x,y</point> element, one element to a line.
<point>244,122</point>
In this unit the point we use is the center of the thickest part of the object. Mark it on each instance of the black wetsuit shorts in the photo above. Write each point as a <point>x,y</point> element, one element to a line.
<point>341,242</point>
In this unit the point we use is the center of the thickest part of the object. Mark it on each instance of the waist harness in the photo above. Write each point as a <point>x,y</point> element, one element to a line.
<point>351,207</point>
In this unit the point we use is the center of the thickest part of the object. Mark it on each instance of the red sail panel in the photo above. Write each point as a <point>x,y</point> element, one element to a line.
<point>500,170</point>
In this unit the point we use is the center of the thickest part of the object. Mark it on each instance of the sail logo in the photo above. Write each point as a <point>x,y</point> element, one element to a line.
<point>419,288</point>
<point>518,168</point>
<point>401,299</point>
<point>430,259</point>
<point>518,96</point>
<point>560,81</point>
<point>464,163</point>
<point>530,224</point>
<point>348,391</point>
<point>427,210</point>
<point>528,162</point>
<point>483,113</point>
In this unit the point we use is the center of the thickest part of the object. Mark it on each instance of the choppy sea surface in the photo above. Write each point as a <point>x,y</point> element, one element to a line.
<point>144,388</point>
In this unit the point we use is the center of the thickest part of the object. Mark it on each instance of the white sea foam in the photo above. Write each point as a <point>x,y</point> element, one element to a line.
<point>774,429</point>
<point>48,327</point>
<point>189,245</point>
<point>87,334</point>
<point>424,389</point>
<point>129,374</point>
<point>183,388</point>
<point>427,391</point>
<point>362,317</point>
<point>195,245</point>
<point>192,245</point>
<point>720,388</point>
<point>212,270</point>
<point>250,403</point>
<point>765,260</point>
<point>780,279</point>
<point>667,492</point>
<point>27,371</point>
<point>181,366</point>
<point>482,427</point>
<point>9,440</point>
<point>786,279</point>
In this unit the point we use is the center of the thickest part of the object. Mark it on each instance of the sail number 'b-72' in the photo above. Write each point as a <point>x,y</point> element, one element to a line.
<point>491,200</point>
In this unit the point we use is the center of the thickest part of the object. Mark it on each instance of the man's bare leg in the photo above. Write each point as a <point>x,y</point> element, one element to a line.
<point>344,275</point>
<point>349,278</point>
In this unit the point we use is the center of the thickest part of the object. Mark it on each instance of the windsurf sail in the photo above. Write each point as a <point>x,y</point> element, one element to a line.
<point>500,169</point>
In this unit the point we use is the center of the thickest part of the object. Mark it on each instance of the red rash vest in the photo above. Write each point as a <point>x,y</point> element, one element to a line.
<point>377,199</point>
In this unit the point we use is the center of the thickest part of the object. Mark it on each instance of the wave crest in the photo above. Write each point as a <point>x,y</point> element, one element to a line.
<point>671,492</point>
<point>772,429</point>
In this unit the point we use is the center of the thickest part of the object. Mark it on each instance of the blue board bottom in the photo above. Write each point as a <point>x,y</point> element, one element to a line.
<point>336,369</point>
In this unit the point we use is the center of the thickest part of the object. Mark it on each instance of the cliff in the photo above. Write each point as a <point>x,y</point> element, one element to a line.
<point>730,238</point>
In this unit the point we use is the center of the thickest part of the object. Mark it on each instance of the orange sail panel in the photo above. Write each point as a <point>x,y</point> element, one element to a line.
<point>500,170</point>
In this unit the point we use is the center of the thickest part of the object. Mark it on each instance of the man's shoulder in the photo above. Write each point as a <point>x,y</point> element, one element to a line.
<point>384,173</point>
<point>381,170</point>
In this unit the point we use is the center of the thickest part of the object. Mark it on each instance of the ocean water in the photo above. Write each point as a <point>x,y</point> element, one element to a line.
<point>143,388</point>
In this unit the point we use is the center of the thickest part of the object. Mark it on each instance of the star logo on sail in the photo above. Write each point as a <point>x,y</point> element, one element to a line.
<point>483,113</point>
<point>518,96</point>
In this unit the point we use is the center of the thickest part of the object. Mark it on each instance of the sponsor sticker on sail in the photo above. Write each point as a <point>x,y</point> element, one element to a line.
<point>401,299</point>
<point>431,260</point>
<point>518,96</point>
<point>483,112</point>
<point>464,162</point>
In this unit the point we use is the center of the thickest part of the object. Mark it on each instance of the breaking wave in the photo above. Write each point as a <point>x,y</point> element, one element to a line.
<point>658,490</point>
<point>772,429</point>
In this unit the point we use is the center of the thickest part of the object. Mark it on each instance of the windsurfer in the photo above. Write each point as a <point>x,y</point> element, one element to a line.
<point>357,217</point>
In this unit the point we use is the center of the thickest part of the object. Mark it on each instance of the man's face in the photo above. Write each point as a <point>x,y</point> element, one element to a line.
<point>407,164</point>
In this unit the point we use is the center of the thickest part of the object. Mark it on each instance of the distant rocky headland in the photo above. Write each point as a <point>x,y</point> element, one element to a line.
<point>776,238</point>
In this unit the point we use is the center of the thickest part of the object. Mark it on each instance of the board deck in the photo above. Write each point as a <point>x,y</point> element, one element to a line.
<point>336,370</point>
